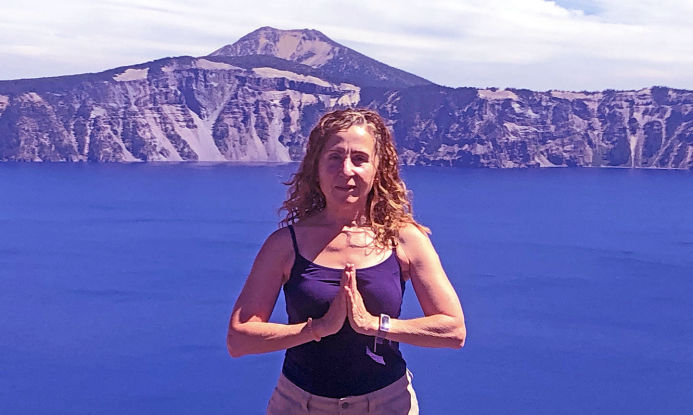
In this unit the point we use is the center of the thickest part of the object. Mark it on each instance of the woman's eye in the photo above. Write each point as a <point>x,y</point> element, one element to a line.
<point>360,159</point>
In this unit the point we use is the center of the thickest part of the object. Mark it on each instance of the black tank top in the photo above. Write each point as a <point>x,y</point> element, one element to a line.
<point>343,364</point>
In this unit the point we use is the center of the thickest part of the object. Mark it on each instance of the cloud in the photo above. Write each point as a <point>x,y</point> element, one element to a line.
<point>512,41</point>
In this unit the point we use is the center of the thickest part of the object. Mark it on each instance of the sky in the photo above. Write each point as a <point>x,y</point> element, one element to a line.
<point>535,44</point>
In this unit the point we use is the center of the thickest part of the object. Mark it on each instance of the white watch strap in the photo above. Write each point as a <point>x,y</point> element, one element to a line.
<point>384,326</point>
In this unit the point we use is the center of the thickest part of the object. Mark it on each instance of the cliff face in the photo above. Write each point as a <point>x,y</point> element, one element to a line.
<point>257,99</point>
<point>518,128</point>
<point>173,109</point>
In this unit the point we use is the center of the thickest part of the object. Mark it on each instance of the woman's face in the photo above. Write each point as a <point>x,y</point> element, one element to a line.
<point>347,166</point>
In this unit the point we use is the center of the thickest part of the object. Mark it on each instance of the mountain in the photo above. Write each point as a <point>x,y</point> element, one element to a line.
<point>257,99</point>
<point>314,49</point>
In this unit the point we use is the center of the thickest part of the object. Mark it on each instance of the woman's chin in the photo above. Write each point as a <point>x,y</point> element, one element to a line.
<point>347,199</point>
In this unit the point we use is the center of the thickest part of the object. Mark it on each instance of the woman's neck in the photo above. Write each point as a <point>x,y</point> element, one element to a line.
<point>350,217</point>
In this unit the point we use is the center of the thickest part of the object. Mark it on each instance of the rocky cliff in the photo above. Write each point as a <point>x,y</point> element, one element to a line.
<point>256,100</point>
<point>652,127</point>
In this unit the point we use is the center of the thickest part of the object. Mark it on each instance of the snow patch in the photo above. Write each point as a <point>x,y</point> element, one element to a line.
<point>98,112</point>
<point>287,45</point>
<point>345,86</point>
<point>291,46</point>
<point>323,53</point>
<point>351,98</point>
<point>207,64</point>
<point>276,73</point>
<point>308,99</point>
<point>32,97</point>
<point>571,95</point>
<point>498,94</point>
<point>132,75</point>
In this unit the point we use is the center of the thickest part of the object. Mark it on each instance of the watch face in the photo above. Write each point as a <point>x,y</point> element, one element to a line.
<point>384,322</point>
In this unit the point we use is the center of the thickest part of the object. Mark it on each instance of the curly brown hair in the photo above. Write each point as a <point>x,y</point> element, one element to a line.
<point>388,204</point>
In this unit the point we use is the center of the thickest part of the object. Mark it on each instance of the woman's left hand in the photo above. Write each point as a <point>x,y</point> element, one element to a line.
<point>360,319</point>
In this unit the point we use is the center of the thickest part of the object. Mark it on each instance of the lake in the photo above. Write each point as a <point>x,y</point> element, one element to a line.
<point>117,280</point>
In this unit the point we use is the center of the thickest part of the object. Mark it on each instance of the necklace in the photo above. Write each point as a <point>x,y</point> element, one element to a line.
<point>359,237</point>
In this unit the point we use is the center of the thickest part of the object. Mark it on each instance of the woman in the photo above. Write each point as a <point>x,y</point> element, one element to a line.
<point>349,246</point>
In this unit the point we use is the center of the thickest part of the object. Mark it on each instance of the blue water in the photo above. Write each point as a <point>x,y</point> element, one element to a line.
<point>116,282</point>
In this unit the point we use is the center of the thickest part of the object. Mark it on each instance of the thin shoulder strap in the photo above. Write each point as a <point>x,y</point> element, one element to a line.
<point>293,239</point>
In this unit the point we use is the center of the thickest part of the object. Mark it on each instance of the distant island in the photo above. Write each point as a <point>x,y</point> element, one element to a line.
<point>256,100</point>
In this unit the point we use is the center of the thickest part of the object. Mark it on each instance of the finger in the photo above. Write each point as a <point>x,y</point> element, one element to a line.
<point>352,277</point>
<point>345,276</point>
<point>355,288</point>
<point>348,294</point>
<point>349,302</point>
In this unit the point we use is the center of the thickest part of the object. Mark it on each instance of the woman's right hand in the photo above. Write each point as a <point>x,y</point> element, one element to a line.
<point>334,318</point>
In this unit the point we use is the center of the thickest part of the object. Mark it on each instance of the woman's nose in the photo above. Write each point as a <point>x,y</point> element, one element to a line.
<point>347,166</point>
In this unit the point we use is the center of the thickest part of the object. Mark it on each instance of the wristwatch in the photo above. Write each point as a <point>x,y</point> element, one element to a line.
<point>384,327</point>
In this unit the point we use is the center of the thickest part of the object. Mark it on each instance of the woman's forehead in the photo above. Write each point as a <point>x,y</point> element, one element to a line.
<point>357,136</point>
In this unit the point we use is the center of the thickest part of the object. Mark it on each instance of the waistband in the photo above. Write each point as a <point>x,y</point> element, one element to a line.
<point>395,387</point>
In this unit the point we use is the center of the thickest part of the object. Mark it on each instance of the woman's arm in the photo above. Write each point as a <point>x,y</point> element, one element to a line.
<point>249,329</point>
<point>443,321</point>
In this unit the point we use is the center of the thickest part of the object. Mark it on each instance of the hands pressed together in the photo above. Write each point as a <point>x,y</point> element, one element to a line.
<point>348,304</point>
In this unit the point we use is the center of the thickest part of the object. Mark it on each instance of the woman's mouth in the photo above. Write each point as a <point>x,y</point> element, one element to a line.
<point>345,188</point>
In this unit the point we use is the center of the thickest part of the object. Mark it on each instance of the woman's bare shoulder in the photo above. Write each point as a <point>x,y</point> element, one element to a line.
<point>278,249</point>
<point>415,244</point>
<point>410,234</point>
<point>280,239</point>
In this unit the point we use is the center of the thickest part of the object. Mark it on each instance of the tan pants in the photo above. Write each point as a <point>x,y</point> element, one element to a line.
<point>395,399</point>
